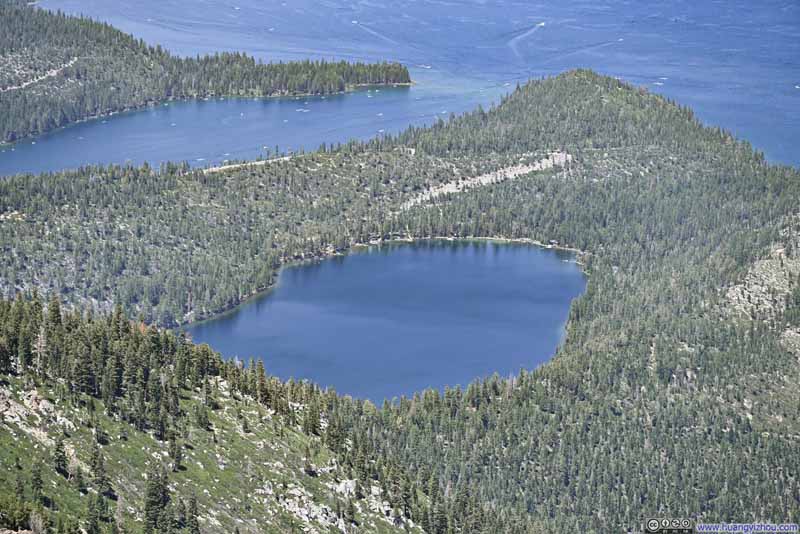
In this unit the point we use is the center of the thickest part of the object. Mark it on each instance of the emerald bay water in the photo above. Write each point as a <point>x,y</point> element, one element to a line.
<point>392,320</point>
<point>736,63</point>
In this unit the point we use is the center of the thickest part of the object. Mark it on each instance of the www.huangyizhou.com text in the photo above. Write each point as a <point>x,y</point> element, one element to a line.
<point>747,527</point>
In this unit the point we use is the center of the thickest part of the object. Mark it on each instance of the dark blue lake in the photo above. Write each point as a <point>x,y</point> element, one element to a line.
<point>736,62</point>
<point>389,321</point>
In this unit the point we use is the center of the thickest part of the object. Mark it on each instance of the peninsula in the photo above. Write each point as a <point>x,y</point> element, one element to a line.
<point>57,69</point>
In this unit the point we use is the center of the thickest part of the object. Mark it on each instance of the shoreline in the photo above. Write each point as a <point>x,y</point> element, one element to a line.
<point>155,103</point>
<point>333,253</point>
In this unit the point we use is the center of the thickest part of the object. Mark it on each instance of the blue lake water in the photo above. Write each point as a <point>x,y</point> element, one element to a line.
<point>389,321</point>
<point>737,63</point>
<point>392,321</point>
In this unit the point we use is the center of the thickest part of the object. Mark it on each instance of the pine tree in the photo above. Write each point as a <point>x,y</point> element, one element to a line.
<point>19,488</point>
<point>41,357</point>
<point>160,423</point>
<point>54,332</point>
<point>156,498</point>
<point>23,360</point>
<point>176,453</point>
<point>438,518</point>
<point>262,389</point>
<point>406,496</point>
<point>5,355</point>
<point>192,523</point>
<point>60,457</point>
<point>36,483</point>
<point>100,479</point>
<point>94,514</point>
<point>311,418</point>
<point>201,417</point>
<point>83,378</point>
<point>166,520</point>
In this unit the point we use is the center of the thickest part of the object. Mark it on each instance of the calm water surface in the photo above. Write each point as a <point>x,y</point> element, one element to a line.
<point>737,63</point>
<point>389,321</point>
<point>392,321</point>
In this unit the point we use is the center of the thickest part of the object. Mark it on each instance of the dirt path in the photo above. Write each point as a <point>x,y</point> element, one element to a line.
<point>233,166</point>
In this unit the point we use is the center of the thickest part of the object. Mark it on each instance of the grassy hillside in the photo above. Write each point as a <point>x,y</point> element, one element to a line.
<point>228,461</point>
<point>56,69</point>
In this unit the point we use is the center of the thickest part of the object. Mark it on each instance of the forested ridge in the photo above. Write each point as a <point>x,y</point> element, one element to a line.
<point>665,399</point>
<point>57,69</point>
<point>113,426</point>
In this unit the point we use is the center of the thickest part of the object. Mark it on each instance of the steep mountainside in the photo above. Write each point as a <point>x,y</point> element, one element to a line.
<point>108,425</point>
